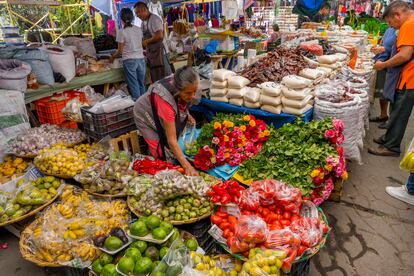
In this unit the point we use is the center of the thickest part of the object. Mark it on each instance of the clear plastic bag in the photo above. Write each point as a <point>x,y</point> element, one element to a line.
<point>407,163</point>
<point>72,110</point>
<point>170,183</point>
<point>139,185</point>
<point>189,136</point>
<point>60,162</point>
<point>249,200</point>
<point>99,151</point>
<point>176,259</point>
<point>310,230</point>
<point>251,229</point>
<point>263,262</point>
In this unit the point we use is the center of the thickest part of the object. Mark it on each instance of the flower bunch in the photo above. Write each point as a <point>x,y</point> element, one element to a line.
<point>234,138</point>
<point>335,167</point>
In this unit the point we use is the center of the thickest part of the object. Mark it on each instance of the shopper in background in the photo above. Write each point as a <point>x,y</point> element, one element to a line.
<point>323,13</point>
<point>405,192</point>
<point>129,40</point>
<point>154,42</point>
<point>383,52</point>
<point>162,114</point>
<point>275,36</point>
<point>400,16</point>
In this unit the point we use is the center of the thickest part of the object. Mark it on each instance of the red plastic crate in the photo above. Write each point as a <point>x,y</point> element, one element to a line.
<point>49,109</point>
<point>68,124</point>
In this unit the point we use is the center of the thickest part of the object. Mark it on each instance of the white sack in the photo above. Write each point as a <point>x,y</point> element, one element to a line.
<point>238,82</point>
<point>218,92</point>
<point>219,84</point>
<point>267,100</point>
<point>271,88</point>
<point>238,102</point>
<point>222,74</point>
<point>296,111</point>
<point>252,95</point>
<point>251,105</point>
<point>220,99</point>
<point>237,93</point>
<point>298,94</point>
<point>272,109</point>
<point>296,82</point>
<point>296,103</point>
<point>62,60</point>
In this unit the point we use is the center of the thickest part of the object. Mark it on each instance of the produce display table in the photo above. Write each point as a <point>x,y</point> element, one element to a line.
<point>106,77</point>
<point>210,108</point>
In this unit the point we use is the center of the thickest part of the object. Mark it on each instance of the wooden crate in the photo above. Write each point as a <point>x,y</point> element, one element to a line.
<point>127,142</point>
<point>336,194</point>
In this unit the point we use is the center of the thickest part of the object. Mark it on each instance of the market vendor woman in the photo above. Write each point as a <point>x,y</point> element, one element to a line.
<point>161,114</point>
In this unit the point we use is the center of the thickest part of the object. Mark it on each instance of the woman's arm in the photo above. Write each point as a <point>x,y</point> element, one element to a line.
<point>175,148</point>
<point>118,52</point>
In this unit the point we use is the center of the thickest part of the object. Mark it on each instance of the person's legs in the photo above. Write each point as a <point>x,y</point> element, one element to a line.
<point>399,119</point>
<point>405,192</point>
<point>141,76</point>
<point>130,69</point>
<point>157,73</point>
<point>384,108</point>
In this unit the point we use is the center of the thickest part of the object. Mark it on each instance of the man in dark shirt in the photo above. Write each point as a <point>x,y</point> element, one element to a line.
<point>322,14</point>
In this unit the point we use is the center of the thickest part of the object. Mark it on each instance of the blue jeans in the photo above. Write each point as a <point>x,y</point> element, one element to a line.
<point>135,73</point>
<point>410,184</point>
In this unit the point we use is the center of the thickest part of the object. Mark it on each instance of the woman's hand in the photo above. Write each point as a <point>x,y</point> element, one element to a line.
<point>190,171</point>
<point>378,50</point>
<point>191,120</point>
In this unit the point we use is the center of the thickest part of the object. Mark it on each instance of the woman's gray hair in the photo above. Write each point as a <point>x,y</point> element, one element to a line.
<point>185,76</point>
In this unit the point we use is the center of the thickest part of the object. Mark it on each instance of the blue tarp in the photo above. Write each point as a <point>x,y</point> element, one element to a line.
<point>209,108</point>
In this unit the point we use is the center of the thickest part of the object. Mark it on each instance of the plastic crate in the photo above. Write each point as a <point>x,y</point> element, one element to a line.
<point>113,124</point>
<point>49,109</point>
<point>115,133</point>
<point>68,124</point>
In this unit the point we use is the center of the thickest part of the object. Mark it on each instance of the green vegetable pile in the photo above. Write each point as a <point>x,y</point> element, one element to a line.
<point>291,153</point>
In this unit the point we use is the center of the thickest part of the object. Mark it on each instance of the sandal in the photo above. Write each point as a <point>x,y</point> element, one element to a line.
<point>378,119</point>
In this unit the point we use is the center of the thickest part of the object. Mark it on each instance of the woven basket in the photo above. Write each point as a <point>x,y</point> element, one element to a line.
<point>25,247</point>
<point>106,195</point>
<point>31,213</point>
<point>173,222</point>
<point>306,256</point>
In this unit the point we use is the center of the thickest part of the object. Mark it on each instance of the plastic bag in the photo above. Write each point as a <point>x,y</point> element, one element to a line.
<point>222,74</point>
<point>310,230</point>
<point>218,92</point>
<point>269,100</point>
<point>219,84</point>
<point>272,109</point>
<point>296,82</point>
<point>252,105</point>
<point>327,59</point>
<point>175,260</point>
<point>249,200</point>
<point>189,136</point>
<point>59,162</point>
<point>238,102</point>
<point>99,151</point>
<point>72,110</point>
<point>237,93</point>
<point>296,93</point>
<point>251,229</point>
<point>91,96</point>
<point>271,89</point>
<point>238,82</point>
<point>407,163</point>
<point>170,183</point>
<point>220,99</point>
<point>298,104</point>
<point>252,95</point>
<point>312,74</point>
<point>296,111</point>
<point>258,257</point>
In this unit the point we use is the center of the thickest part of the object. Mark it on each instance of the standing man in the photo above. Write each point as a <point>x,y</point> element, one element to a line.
<point>323,14</point>
<point>399,16</point>
<point>154,42</point>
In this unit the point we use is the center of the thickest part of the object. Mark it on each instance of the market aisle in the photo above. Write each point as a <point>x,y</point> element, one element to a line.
<point>373,233</point>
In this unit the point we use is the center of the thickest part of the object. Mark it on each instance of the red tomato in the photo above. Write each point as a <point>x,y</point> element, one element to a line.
<point>221,214</point>
<point>301,250</point>
<point>325,228</point>
<point>265,212</point>
<point>243,246</point>
<point>290,207</point>
<point>224,225</point>
<point>287,215</point>
<point>284,222</point>
<point>294,218</point>
<point>226,233</point>
<point>272,207</point>
<point>232,219</point>
<point>278,211</point>
<point>216,219</point>
<point>259,209</point>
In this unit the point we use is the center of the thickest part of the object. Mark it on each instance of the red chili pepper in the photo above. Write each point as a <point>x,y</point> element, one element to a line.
<point>226,198</point>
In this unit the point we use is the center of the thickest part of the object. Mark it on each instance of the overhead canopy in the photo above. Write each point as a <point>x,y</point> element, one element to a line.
<point>104,6</point>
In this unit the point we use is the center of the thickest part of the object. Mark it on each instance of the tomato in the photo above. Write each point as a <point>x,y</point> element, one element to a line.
<point>296,241</point>
<point>232,219</point>
<point>243,246</point>
<point>294,218</point>
<point>226,233</point>
<point>221,214</point>
<point>287,215</point>
<point>259,209</point>
<point>278,211</point>
<point>216,219</point>
<point>265,212</point>
<point>272,217</point>
<point>272,207</point>
<point>290,207</point>
<point>284,222</point>
<point>325,228</point>
<point>301,250</point>
<point>224,225</point>
<point>246,213</point>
